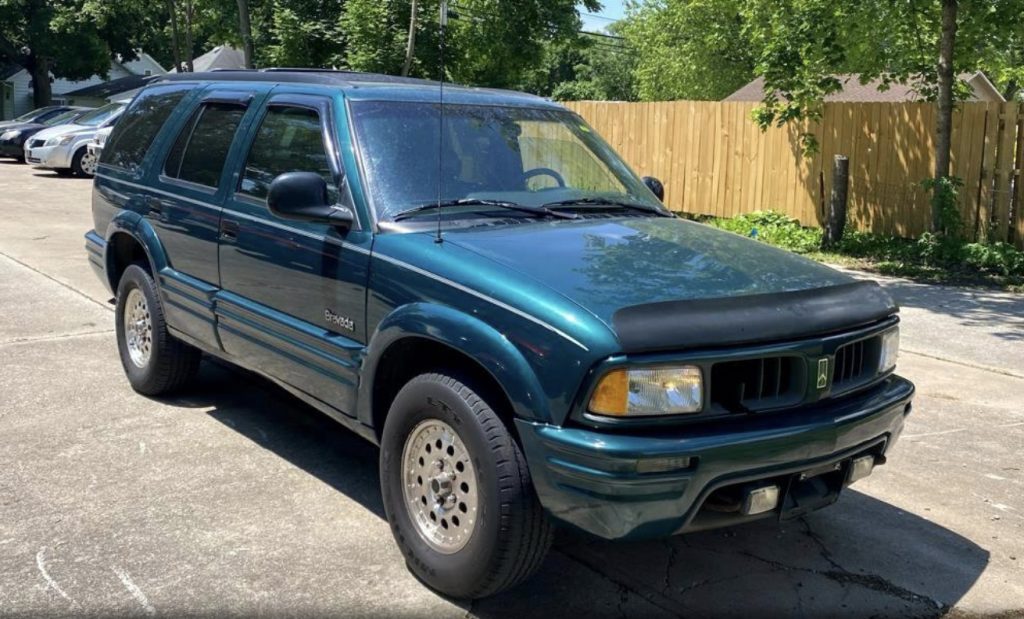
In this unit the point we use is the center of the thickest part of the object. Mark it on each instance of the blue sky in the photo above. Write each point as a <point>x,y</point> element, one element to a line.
<point>612,10</point>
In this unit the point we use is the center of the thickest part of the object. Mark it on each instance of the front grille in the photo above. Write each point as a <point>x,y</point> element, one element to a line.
<point>36,143</point>
<point>758,384</point>
<point>855,363</point>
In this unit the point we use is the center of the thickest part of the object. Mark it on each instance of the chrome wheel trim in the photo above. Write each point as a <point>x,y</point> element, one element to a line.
<point>440,486</point>
<point>88,163</point>
<point>138,328</point>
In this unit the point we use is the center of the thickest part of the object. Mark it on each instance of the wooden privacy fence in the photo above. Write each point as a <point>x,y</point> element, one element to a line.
<point>714,160</point>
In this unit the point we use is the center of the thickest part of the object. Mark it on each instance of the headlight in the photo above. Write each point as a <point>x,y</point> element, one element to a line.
<point>890,350</point>
<point>648,391</point>
<point>10,135</point>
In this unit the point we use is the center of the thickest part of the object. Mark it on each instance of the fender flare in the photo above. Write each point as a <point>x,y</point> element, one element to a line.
<point>135,226</point>
<point>466,334</point>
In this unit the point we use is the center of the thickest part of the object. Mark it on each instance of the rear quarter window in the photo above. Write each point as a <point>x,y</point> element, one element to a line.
<point>200,150</point>
<point>139,125</point>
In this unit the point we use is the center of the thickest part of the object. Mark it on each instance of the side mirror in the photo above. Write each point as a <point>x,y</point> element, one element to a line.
<point>655,186</point>
<point>302,196</point>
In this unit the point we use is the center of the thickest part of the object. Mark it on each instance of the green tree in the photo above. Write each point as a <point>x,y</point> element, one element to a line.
<point>688,49</point>
<point>801,44</point>
<point>73,39</point>
<point>488,42</point>
<point>592,67</point>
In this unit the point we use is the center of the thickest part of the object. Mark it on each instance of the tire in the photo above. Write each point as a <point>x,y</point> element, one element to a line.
<point>510,534</point>
<point>155,363</point>
<point>83,163</point>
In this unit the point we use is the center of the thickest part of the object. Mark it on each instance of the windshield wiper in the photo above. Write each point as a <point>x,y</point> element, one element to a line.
<point>607,202</point>
<point>537,211</point>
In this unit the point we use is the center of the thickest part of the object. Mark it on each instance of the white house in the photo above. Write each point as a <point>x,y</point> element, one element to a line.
<point>16,84</point>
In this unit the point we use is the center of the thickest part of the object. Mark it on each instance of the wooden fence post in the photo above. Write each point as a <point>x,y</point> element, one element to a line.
<point>836,222</point>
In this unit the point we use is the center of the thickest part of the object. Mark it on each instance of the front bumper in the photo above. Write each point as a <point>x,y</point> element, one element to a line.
<point>589,479</point>
<point>53,157</point>
<point>12,148</point>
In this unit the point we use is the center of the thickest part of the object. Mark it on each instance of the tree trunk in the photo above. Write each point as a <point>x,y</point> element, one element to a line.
<point>245,29</point>
<point>836,223</point>
<point>412,40</point>
<point>175,39</point>
<point>42,94</point>
<point>189,52</point>
<point>943,130</point>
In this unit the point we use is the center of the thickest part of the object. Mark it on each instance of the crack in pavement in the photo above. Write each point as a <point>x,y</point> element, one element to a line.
<point>843,576</point>
<point>623,588</point>
<point>56,281</point>
<point>50,338</point>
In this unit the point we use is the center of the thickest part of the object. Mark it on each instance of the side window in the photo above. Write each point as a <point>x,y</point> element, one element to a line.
<point>135,131</point>
<point>199,153</point>
<point>290,139</point>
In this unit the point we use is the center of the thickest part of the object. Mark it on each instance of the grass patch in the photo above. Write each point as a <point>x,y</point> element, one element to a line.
<point>931,258</point>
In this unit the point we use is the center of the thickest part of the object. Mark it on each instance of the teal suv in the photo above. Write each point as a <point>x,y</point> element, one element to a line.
<point>486,291</point>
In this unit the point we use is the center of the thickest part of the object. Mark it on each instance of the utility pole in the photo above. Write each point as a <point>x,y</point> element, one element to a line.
<point>245,27</point>
<point>412,40</point>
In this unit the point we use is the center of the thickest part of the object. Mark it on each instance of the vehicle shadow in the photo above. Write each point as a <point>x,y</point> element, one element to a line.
<point>861,557</point>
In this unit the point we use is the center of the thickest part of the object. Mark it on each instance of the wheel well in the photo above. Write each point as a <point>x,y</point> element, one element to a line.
<point>409,357</point>
<point>124,251</point>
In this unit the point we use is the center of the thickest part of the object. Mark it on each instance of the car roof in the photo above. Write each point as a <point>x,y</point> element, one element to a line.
<point>367,86</point>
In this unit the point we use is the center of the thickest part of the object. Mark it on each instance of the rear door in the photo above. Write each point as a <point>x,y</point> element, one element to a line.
<point>293,293</point>
<point>189,191</point>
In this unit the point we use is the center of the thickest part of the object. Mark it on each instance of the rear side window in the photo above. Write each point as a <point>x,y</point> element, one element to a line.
<point>138,126</point>
<point>199,153</point>
<point>289,140</point>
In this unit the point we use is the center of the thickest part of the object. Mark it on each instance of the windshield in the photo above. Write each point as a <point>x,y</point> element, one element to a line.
<point>62,119</point>
<point>527,156</point>
<point>99,115</point>
<point>43,111</point>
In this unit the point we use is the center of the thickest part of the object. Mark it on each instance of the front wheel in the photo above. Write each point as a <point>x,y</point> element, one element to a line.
<point>84,163</point>
<point>457,491</point>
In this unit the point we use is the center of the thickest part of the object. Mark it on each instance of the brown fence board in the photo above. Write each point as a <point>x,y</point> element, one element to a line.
<point>715,161</point>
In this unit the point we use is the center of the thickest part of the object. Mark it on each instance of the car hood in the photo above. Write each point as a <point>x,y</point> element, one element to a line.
<point>5,127</point>
<point>607,264</point>
<point>59,130</point>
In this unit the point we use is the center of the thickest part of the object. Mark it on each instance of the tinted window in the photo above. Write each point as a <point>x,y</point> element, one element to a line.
<point>98,116</point>
<point>289,140</point>
<point>137,128</point>
<point>202,146</point>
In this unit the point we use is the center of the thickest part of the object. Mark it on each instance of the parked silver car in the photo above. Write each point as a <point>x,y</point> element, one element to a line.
<point>64,148</point>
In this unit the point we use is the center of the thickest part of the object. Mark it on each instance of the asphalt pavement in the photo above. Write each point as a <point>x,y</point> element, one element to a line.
<point>235,499</point>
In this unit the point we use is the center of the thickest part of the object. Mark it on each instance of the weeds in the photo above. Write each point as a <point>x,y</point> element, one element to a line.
<point>938,258</point>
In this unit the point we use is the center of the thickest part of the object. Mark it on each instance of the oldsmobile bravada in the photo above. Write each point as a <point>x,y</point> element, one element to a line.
<point>486,291</point>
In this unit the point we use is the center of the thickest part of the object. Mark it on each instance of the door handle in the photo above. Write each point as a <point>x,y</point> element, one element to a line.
<point>229,230</point>
<point>155,207</point>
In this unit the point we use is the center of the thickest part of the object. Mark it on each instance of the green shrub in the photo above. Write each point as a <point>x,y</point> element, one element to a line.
<point>935,257</point>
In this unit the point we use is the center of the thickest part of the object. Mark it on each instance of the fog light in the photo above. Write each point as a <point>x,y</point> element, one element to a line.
<point>860,468</point>
<point>760,500</point>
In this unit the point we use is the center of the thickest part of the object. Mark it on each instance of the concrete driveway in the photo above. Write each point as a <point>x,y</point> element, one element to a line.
<point>236,499</point>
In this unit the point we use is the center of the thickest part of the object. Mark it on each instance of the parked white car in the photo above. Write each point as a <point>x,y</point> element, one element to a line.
<point>64,149</point>
<point>95,146</point>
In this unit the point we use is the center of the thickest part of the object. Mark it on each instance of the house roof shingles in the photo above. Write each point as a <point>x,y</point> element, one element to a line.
<point>852,90</point>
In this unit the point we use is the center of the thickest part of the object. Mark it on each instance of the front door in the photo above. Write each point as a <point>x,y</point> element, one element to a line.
<point>293,293</point>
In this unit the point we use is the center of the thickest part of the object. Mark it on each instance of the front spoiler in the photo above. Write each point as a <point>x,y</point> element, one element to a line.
<point>589,479</point>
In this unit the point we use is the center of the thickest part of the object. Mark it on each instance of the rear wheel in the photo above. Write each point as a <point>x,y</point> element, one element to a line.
<point>84,163</point>
<point>457,492</point>
<point>154,360</point>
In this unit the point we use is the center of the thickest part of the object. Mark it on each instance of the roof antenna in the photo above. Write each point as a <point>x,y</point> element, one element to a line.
<point>440,134</point>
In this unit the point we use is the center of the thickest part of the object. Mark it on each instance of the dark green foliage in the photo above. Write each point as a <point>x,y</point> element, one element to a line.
<point>932,257</point>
